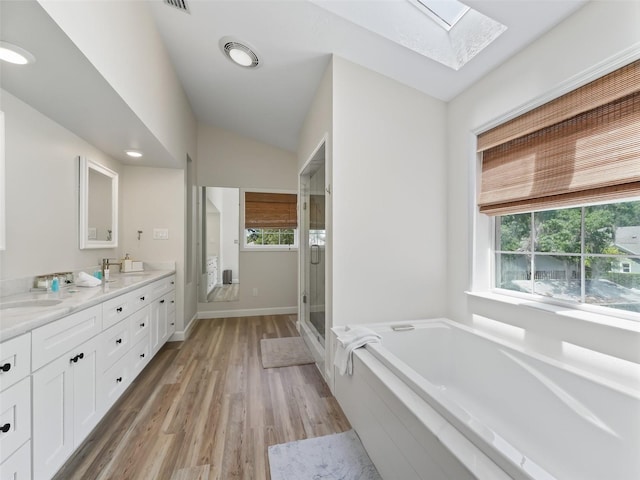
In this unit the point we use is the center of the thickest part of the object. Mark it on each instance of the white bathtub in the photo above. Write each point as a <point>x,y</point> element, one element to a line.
<point>446,401</point>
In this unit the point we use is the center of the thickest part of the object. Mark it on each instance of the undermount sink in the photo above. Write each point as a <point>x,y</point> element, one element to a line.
<point>30,304</point>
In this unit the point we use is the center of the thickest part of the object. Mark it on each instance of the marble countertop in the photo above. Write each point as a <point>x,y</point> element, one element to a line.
<point>15,321</point>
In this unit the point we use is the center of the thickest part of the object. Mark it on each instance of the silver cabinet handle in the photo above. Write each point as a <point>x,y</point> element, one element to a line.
<point>316,249</point>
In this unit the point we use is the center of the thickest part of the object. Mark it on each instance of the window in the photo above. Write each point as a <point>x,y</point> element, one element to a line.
<point>270,237</point>
<point>445,13</point>
<point>563,183</point>
<point>580,254</point>
<point>270,220</point>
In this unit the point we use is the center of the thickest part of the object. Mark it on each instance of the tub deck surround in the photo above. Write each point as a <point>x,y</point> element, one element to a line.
<point>531,416</point>
<point>16,321</point>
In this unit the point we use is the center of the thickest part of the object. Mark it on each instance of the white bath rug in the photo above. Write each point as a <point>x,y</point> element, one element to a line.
<point>332,457</point>
<point>284,352</point>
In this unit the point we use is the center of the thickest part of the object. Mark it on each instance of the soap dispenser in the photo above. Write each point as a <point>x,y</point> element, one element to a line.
<point>55,284</point>
<point>126,263</point>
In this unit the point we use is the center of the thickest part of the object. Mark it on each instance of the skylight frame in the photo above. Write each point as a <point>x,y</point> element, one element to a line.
<point>431,9</point>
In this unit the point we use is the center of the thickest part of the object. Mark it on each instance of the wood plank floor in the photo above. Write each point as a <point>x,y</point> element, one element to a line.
<point>225,293</point>
<point>206,409</point>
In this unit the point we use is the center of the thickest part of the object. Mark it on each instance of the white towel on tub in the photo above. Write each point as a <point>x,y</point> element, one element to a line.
<point>348,341</point>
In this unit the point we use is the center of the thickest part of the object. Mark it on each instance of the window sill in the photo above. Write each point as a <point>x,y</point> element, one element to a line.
<point>562,312</point>
<point>269,249</point>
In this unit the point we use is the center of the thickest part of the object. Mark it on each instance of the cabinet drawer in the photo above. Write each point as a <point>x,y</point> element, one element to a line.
<point>117,309</point>
<point>15,417</point>
<point>15,360</point>
<point>18,465</point>
<point>160,287</point>
<point>114,343</point>
<point>114,382</point>
<point>52,340</point>
<point>140,356</point>
<point>140,323</point>
<point>140,298</point>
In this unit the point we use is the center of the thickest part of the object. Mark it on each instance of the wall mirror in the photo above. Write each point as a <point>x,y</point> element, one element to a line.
<point>98,205</point>
<point>2,194</point>
<point>220,246</point>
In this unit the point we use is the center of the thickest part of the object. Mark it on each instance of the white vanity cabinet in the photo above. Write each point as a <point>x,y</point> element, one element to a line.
<point>82,363</point>
<point>162,315</point>
<point>66,405</point>
<point>15,408</point>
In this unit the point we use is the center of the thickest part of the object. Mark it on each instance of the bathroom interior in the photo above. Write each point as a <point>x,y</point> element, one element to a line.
<point>133,151</point>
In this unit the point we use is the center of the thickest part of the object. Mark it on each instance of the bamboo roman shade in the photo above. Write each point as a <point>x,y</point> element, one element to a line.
<point>581,147</point>
<point>270,210</point>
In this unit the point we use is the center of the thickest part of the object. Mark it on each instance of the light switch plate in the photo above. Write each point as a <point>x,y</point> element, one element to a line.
<point>161,234</point>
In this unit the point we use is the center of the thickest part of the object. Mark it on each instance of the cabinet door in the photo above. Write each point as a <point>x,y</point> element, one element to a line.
<point>171,313</point>
<point>52,417</point>
<point>87,409</point>
<point>18,465</point>
<point>159,331</point>
<point>15,417</point>
<point>155,326</point>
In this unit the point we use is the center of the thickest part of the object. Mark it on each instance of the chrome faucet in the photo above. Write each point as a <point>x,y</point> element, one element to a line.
<point>106,263</point>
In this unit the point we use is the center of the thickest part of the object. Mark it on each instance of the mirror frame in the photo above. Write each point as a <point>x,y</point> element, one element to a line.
<point>85,243</point>
<point>3,231</point>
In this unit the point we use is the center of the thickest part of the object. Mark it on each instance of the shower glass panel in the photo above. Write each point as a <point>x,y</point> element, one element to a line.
<point>313,255</point>
<point>316,253</point>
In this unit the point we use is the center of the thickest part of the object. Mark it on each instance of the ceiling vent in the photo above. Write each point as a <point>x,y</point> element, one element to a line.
<point>179,4</point>
<point>239,53</point>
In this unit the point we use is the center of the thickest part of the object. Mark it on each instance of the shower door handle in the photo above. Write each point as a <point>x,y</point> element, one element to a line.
<point>316,249</point>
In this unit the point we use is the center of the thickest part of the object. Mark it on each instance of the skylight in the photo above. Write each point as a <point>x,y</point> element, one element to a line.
<point>445,12</point>
<point>445,31</point>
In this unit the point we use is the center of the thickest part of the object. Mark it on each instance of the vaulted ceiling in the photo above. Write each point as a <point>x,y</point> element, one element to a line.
<point>295,38</point>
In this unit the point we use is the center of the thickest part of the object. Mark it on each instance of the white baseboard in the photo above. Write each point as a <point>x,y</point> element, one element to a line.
<point>182,335</point>
<point>250,312</point>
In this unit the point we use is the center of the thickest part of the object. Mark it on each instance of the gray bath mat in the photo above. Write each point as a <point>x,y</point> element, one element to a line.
<point>332,457</point>
<point>284,352</point>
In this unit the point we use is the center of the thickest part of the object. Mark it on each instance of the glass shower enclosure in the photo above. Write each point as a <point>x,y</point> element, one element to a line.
<point>313,255</point>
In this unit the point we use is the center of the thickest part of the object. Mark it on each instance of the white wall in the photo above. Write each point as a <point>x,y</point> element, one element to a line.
<point>42,194</point>
<point>226,159</point>
<point>116,37</point>
<point>389,224</point>
<point>552,65</point>
<point>318,128</point>
<point>154,198</point>
<point>121,40</point>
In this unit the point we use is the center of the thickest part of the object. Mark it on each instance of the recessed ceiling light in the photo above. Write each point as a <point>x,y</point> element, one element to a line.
<point>133,153</point>
<point>239,53</point>
<point>14,54</point>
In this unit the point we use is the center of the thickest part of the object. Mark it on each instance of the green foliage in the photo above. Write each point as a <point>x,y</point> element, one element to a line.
<point>515,232</point>
<point>559,231</point>
<point>271,236</point>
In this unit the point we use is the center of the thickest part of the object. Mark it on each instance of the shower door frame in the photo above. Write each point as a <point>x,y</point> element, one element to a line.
<point>318,348</point>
